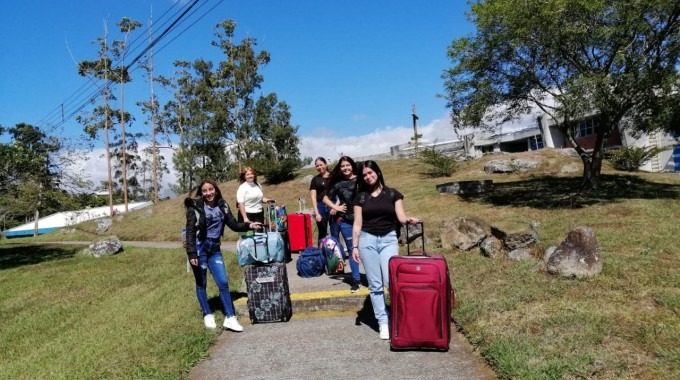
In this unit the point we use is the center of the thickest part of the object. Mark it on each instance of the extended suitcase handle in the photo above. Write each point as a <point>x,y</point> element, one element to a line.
<point>420,252</point>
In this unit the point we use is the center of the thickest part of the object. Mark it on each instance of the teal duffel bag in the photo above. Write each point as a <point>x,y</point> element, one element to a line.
<point>260,248</point>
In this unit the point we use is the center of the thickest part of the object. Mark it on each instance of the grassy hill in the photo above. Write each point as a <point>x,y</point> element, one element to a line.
<point>624,323</point>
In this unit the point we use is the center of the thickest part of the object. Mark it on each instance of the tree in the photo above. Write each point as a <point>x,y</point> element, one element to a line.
<point>218,117</point>
<point>29,176</point>
<point>272,146</point>
<point>119,50</point>
<point>572,59</point>
<point>100,118</point>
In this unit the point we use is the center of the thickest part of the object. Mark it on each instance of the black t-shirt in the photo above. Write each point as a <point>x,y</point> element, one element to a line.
<point>378,214</point>
<point>319,184</point>
<point>345,191</point>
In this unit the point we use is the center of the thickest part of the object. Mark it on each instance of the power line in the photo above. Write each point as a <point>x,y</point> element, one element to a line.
<point>49,119</point>
<point>86,95</point>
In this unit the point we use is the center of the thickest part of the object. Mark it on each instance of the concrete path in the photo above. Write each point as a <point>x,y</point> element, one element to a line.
<point>333,347</point>
<point>333,335</point>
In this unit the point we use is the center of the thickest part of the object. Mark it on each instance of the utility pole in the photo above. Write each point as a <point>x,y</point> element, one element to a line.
<point>105,93</point>
<point>154,150</point>
<point>416,136</point>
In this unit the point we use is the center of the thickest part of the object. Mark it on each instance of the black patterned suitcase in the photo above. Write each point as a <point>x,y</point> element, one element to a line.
<point>268,293</point>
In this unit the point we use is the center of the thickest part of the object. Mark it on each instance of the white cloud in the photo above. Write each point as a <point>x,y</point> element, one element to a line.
<point>331,147</point>
<point>323,143</point>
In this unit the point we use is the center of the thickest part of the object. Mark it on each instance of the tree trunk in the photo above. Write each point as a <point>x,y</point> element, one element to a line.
<point>592,167</point>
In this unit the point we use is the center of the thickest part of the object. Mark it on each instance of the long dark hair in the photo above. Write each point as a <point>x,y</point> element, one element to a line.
<point>361,184</point>
<point>336,173</point>
<point>218,192</point>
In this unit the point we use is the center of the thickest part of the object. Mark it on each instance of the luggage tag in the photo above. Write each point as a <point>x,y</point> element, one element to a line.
<point>265,279</point>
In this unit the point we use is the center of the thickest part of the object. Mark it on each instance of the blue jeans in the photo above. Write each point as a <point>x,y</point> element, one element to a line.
<point>210,257</point>
<point>338,227</point>
<point>322,226</point>
<point>375,252</point>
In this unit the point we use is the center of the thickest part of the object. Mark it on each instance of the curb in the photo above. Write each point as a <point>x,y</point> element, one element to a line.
<point>313,302</point>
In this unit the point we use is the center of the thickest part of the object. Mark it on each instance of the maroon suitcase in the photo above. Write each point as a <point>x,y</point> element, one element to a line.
<point>421,299</point>
<point>299,231</point>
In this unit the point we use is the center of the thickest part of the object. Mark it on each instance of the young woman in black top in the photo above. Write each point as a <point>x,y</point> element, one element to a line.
<point>317,189</point>
<point>340,192</point>
<point>377,209</point>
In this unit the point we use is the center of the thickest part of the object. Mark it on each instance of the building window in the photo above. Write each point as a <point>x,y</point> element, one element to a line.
<point>536,142</point>
<point>584,128</point>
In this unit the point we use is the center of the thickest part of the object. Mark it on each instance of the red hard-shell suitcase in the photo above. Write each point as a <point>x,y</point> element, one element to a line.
<point>421,299</point>
<point>299,231</point>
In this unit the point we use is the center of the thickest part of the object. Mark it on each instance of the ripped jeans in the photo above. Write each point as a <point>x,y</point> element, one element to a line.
<point>210,257</point>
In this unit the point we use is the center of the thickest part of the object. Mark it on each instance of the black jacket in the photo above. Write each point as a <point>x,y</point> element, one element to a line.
<point>200,230</point>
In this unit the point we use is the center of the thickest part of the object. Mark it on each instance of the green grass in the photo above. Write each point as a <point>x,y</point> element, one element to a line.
<point>622,324</point>
<point>70,316</point>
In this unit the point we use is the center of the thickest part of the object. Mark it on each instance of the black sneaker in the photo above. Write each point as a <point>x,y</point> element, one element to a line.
<point>355,287</point>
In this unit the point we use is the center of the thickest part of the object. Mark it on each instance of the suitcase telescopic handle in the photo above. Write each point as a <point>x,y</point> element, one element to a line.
<point>422,239</point>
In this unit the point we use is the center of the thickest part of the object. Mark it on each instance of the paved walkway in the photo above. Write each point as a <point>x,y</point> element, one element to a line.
<point>332,335</point>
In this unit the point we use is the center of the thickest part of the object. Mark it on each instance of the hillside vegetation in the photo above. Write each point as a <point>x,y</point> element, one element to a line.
<point>624,323</point>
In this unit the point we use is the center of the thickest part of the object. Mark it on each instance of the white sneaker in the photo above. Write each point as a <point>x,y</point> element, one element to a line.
<point>209,321</point>
<point>232,324</point>
<point>384,332</point>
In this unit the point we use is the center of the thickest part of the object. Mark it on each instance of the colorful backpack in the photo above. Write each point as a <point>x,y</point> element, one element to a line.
<point>334,255</point>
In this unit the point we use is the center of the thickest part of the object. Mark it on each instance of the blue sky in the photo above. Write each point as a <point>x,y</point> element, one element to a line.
<point>350,70</point>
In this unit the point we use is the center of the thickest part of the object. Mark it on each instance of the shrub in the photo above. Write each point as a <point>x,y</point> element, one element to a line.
<point>631,158</point>
<point>443,166</point>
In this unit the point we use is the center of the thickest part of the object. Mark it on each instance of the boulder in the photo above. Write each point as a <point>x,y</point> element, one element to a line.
<point>498,166</point>
<point>107,246</point>
<point>510,166</point>
<point>577,256</point>
<point>522,165</point>
<point>491,247</point>
<point>463,233</point>
<point>520,254</point>
<point>465,187</point>
<point>415,231</point>
<point>103,225</point>
<point>520,239</point>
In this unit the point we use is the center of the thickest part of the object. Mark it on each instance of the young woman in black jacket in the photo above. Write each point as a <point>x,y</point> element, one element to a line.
<point>207,214</point>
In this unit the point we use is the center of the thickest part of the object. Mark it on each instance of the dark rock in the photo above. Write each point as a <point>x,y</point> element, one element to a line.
<point>491,247</point>
<point>415,231</point>
<point>466,187</point>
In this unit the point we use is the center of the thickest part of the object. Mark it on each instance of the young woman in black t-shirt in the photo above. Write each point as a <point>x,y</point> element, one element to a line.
<point>317,189</point>
<point>377,208</point>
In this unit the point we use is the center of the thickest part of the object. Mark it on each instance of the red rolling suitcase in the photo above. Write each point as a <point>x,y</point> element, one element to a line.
<point>299,231</point>
<point>421,299</point>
